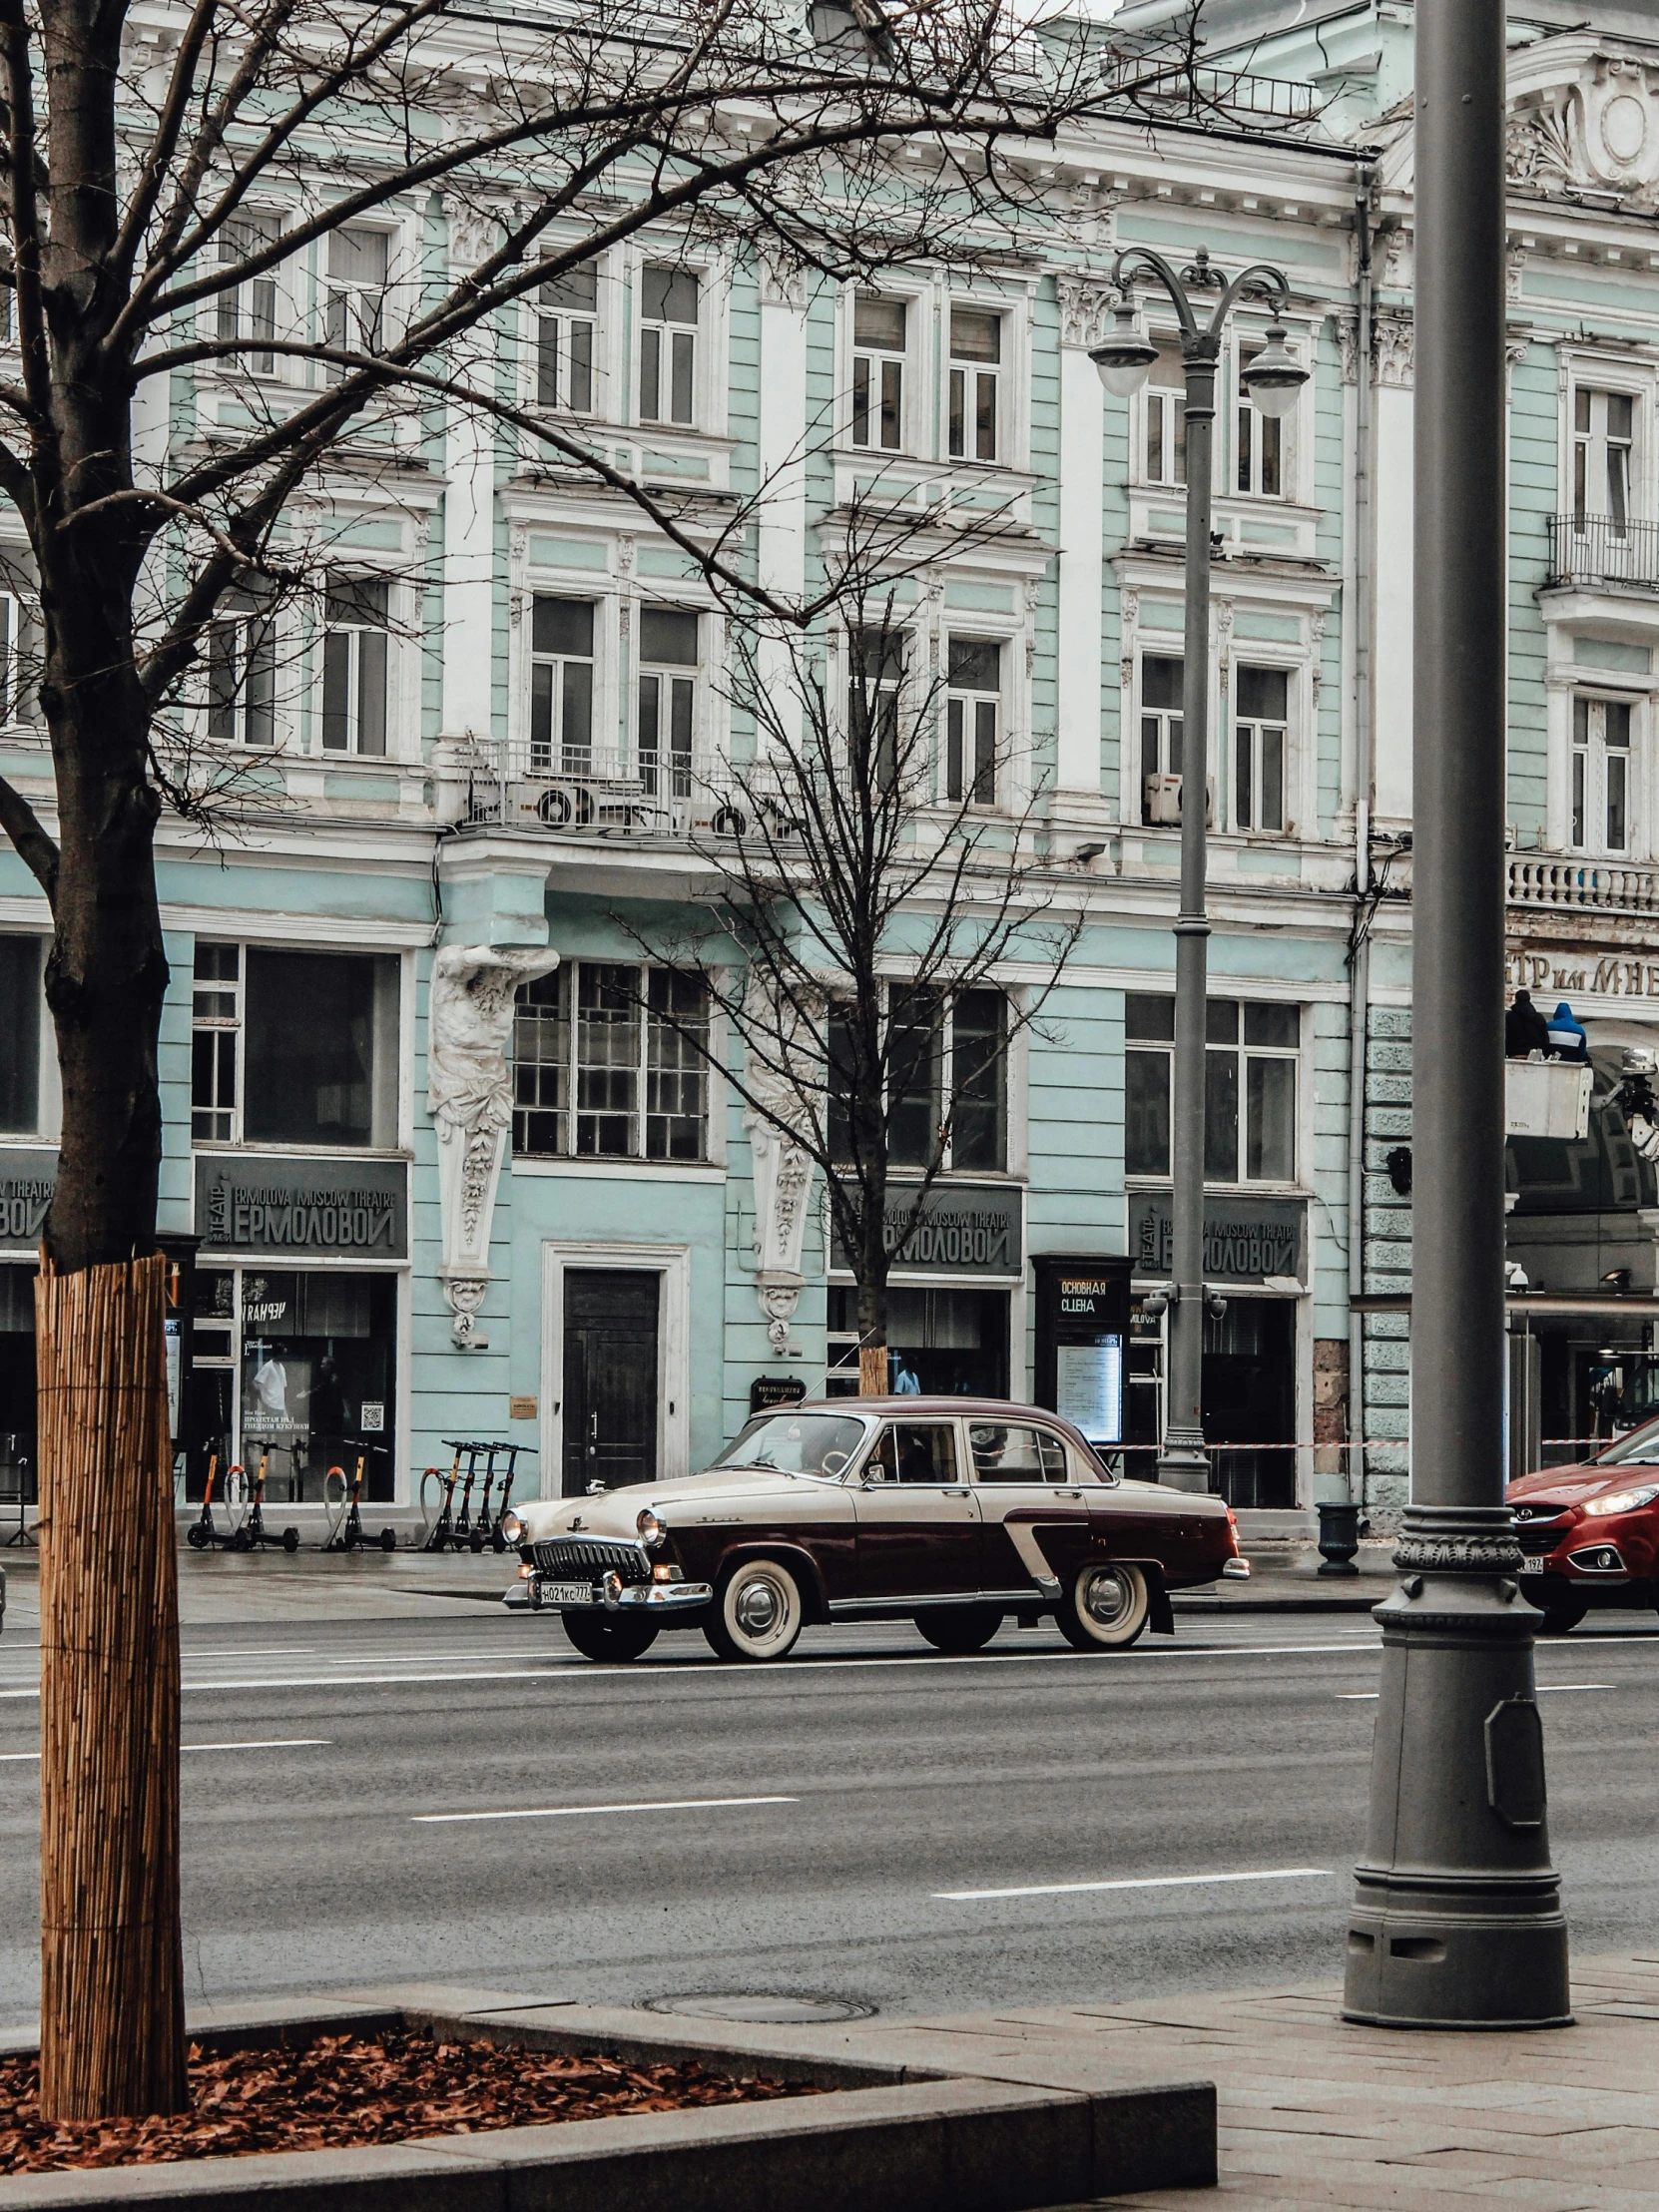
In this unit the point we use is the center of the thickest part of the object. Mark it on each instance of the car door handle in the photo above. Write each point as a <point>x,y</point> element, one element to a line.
<point>955,1490</point>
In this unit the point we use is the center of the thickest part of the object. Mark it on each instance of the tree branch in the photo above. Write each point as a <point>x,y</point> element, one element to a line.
<point>34,848</point>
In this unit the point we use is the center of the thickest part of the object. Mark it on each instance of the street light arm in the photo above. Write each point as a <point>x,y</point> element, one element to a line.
<point>1263,277</point>
<point>1143,256</point>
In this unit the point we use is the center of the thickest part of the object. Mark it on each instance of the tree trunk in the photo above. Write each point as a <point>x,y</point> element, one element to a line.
<point>111,1971</point>
<point>874,1379</point>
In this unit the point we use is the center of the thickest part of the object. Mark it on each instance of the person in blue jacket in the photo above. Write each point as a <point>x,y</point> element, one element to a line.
<point>1566,1034</point>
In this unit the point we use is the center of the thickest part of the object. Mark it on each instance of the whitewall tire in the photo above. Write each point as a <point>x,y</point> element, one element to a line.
<point>758,1612</point>
<point>1106,1606</point>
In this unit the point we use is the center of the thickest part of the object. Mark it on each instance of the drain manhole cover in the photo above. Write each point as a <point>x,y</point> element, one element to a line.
<point>770,2007</point>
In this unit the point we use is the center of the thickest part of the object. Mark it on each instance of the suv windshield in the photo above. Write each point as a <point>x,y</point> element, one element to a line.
<point>797,1443</point>
<point>1639,1449</point>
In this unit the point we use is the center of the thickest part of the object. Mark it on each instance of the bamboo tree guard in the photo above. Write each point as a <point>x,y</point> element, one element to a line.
<point>873,1371</point>
<point>112,2027</point>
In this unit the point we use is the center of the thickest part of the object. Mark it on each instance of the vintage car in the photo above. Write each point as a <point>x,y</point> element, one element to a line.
<point>951,1512</point>
<point>1590,1534</point>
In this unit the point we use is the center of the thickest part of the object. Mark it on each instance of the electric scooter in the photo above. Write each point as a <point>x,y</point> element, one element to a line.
<point>483,1525</point>
<point>462,1537</point>
<point>442,1528</point>
<point>253,1532</point>
<point>497,1541</point>
<point>348,1532</point>
<point>203,1531</point>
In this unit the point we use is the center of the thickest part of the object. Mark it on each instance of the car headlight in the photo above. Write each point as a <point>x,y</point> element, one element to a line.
<point>514,1530</point>
<point>1622,1501</point>
<point>650,1529</point>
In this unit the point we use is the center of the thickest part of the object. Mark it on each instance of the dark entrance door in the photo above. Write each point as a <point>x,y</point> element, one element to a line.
<point>1250,1398</point>
<point>609,1377</point>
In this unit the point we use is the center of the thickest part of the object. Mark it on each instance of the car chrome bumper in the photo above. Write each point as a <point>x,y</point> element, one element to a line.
<point>1235,1571</point>
<point>656,1597</point>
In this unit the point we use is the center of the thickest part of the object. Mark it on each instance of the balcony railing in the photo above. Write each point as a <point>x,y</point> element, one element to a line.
<point>1599,886</point>
<point>596,792</point>
<point>1602,549</point>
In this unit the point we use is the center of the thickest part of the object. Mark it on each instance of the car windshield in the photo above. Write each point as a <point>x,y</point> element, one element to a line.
<point>1640,1450</point>
<point>797,1443</point>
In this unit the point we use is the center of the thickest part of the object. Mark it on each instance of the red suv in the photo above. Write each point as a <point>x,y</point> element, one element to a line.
<point>1591,1532</point>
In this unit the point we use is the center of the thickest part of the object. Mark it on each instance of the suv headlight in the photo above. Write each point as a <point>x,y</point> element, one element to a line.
<point>1622,1501</point>
<point>513,1530</point>
<point>650,1529</point>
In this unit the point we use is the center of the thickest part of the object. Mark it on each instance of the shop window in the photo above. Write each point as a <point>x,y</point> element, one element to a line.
<point>1603,439</point>
<point>974,708</point>
<point>354,292</point>
<point>1165,450</point>
<point>561,684</point>
<point>1600,775</point>
<point>974,407</point>
<point>294,1047</point>
<point>19,1467</point>
<point>20,1036</point>
<point>567,326</point>
<point>948,1343</point>
<point>292,1374</point>
<point>1161,732</point>
<point>1259,441</point>
<point>354,659</point>
<point>608,1063</point>
<point>948,1081</point>
<point>241,671</point>
<point>1250,1068</point>
<point>879,331</point>
<point>1260,724</point>
<point>666,698</point>
<point>245,312</point>
<point>669,301</point>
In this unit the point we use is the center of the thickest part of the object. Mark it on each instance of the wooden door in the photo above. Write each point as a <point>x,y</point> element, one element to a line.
<point>609,1377</point>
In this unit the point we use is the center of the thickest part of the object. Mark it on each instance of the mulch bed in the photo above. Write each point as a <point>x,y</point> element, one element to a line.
<point>341,2091</point>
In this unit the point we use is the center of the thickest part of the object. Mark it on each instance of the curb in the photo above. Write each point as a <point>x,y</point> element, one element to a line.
<point>943,2142</point>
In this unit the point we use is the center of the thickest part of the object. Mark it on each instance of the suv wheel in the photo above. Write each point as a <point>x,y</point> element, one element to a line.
<point>1105,1608</point>
<point>757,1613</point>
<point>599,1636</point>
<point>1561,1619</point>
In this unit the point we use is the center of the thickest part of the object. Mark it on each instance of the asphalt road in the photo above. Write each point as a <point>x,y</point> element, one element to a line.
<point>828,1826</point>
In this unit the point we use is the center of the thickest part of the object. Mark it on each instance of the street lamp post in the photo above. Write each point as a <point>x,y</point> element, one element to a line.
<point>1273,379</point>
<point>1457,1918</point>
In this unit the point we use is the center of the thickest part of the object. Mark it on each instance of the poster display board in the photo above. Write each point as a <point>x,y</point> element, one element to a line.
<point>1082,1342</point>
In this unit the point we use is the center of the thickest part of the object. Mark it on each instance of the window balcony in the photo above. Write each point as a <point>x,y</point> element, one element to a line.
<point>1591,886</point>
<point>1602,549</point>
<point>593,792</point>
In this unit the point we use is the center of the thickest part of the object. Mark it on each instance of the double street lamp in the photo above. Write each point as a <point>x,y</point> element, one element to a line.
<point>1273,379</point>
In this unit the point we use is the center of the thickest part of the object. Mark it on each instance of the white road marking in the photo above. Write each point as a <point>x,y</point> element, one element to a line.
<point>265,1743</point>
<point>1543,1689</point>
<point>570,1812</point>
<point>1147,1882</point>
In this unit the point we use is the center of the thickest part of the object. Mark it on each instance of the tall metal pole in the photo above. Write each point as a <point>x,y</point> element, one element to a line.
<point>1183,1462</point>
<point>1457,1917</point>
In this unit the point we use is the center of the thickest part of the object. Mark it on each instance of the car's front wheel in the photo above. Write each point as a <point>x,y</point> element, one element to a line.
<point>1561,1618</point>
<point>959,1628</point>
<point>1105,1607</point>
<point>609,1636</point>
<point>758,1612</point>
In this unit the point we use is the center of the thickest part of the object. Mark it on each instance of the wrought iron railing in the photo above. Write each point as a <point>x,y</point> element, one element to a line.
<point>1602,549</point>
<point>1601,886</point>
<point>595,792</point>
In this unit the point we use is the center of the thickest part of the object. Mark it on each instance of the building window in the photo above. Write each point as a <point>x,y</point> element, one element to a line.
<point>20,1036</point>
<point>607,1064</point>
<point>1161,727</point>
<point>976,356</point>
<point>355,667</point>
<point>19,660</point>
<point>974,668</point>
<point>1166,420</point>
<point>356,291</point>
<point>874,698</point>
<point>247,311</point>
<point>668,698</point>
<point>1603,426</point>
<point>1600,775</point>
<point>1261,441</point>
<point>294,1047</point>
<point>567,321</point>
<point>668,344</point>
<point>1250,1086</point>
<point>879,345</point>
<point>561,684</point>
<point>1260,726</point>
<point>216,1028</point>
<point>947,1080</point>
<point>241,671</point>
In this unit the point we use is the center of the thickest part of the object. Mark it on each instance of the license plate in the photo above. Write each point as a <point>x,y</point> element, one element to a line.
<point>1532,1567</point>
<point>567,1593</point>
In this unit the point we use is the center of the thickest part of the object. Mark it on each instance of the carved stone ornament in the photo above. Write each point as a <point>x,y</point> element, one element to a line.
<point>782,281</point>
<point>469,1094</point>
<point>1394,340</point>
<point>1085,304</point>
<point>1598,132</point>
<point>474,234</point>
<point>781,1168</point>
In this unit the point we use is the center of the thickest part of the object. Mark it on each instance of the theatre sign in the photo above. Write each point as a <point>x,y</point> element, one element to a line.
<point>1574,971</point>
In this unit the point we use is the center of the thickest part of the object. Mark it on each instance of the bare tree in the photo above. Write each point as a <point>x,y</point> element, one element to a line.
<point>156,175</point>
<point>873,876</point>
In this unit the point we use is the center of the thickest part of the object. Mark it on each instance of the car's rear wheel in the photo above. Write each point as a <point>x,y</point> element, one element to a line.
<point>959,1628</point>
<point>758,1612</point>
<point>1105,1607</point>
<point>608,1636</point>
<point>1564,1616</point>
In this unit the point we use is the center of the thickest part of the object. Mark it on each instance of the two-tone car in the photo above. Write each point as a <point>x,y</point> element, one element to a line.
<point>1590,1534</point>
<point>951,1512</point>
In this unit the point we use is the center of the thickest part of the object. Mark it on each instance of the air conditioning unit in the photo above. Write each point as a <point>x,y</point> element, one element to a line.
<point>1163,800</point>
<point>566,804</point>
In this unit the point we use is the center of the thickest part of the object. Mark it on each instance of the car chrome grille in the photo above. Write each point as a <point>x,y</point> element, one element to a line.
<point>581,1555</point>
<point>1543,1533</point>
